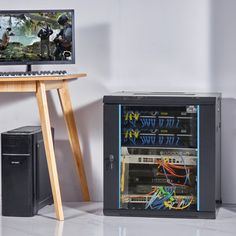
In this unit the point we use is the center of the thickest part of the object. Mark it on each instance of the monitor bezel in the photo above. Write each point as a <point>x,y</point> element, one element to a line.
<point>27,62</point>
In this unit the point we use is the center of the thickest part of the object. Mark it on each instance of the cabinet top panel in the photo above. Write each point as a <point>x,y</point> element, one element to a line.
<point>139,97</point>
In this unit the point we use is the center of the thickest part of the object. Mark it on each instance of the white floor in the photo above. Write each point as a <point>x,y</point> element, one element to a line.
<point>85,219</point>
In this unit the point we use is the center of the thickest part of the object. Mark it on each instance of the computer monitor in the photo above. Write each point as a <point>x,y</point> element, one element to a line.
<point>37,37</point>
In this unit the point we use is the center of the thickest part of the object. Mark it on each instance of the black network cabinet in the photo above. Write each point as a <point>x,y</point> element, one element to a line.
<point>162,154</point>
<point>25,180</point>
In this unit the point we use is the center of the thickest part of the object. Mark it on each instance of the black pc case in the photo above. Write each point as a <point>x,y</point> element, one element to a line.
<point>25,180</point>
<point>162,154</point>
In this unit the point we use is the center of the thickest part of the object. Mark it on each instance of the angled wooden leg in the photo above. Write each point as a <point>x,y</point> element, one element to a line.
<point>48,143</point>
<point>64,96</point>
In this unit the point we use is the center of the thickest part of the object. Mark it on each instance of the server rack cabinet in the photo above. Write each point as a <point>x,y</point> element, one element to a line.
<point>162,154</point>
<point>25,181</point>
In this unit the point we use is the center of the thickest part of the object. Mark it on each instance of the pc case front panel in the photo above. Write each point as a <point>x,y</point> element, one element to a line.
<point>17,177</point>
<point>17,180</point>
<point>159,156</point>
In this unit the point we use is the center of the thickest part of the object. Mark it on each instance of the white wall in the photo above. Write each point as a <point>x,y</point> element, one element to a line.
<point>158,45</point>
<point>223,64</point>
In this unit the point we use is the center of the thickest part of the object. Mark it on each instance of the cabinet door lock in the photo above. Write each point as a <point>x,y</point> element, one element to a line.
<point>111,160</point>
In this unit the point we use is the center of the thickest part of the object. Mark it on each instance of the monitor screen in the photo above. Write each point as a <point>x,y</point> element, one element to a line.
<point>37,37</point>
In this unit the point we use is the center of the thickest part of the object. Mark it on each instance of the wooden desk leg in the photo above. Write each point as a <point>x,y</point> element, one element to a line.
<point>48,143</point>
<point>73,137</point>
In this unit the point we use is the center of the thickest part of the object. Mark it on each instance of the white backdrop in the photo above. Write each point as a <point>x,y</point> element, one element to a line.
<point>152,45</point>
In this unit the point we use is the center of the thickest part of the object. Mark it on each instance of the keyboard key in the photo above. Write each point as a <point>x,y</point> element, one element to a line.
<point>33,73</point>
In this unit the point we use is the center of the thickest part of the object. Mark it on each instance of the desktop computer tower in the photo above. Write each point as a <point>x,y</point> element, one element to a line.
<point>25,180</point>
<point>162,154</point>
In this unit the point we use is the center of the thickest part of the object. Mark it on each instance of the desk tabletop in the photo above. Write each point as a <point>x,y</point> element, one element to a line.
<point>42,78</point>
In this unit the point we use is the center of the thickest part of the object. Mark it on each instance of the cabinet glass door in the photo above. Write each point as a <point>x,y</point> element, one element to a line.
<point>159,155</point>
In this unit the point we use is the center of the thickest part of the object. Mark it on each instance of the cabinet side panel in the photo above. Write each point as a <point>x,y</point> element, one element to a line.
<point>111,156</point>
<point>207,158</point>
<point>218,150</point>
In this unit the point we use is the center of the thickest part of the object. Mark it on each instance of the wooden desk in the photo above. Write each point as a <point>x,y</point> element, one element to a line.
<point>39,85</point>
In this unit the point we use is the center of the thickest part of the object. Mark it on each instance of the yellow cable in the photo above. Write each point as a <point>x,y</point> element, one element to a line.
<point>178,208</point>
<point>123,175</point>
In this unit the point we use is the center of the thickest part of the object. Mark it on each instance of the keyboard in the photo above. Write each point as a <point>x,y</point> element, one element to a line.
<point>33,73</point>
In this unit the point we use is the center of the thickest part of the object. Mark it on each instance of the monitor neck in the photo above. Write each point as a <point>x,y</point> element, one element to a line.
<point>28,68</point>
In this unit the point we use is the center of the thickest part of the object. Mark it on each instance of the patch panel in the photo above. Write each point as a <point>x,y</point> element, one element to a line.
<point>149,159</point>
<point>144,198</point>
<point>145,188</point>
<point>158,151</point>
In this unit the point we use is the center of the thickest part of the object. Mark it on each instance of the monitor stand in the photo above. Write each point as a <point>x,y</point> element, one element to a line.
<point>28,68</point>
